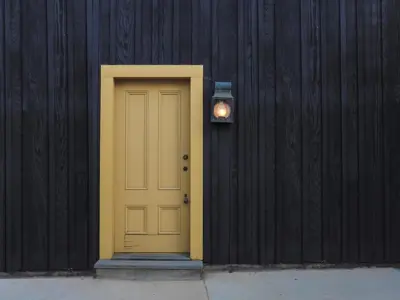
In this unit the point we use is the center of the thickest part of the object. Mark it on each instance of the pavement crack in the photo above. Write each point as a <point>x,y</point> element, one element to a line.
<point>205,286</point>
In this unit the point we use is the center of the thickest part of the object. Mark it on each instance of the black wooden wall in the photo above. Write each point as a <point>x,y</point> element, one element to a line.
<point>309,172</point>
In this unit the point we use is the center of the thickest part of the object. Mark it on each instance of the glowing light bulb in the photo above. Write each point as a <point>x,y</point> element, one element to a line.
<point>221,110</point>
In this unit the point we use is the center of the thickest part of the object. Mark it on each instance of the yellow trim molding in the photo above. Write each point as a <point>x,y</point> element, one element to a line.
<point>109,73</point>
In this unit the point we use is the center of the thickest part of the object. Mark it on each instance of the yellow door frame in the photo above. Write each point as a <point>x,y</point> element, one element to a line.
<point>111,73</point>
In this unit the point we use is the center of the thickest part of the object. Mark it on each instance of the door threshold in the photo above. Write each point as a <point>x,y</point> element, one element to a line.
<point>152,256</point>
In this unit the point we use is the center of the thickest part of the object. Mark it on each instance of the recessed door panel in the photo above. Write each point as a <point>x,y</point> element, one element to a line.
<point>169,133</point>
<point>136,131</point>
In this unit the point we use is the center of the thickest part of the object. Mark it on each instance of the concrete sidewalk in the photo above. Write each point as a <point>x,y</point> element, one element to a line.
<point>366,284</point>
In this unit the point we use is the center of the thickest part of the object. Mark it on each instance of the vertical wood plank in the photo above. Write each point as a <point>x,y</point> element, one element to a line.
<point>266,126</point>
<point>248,127</point>
<point>138,37</point>
<point>35,136</point>
<point>155,40</point>
<point>370,131</point>
<point>125,34</point>
<point>78,134</point>
<point>312,130</point>
<point>165,23</point>
<point>252,120</point>
<point>215,231</point>
<point>229,69</point>
<point>104,31</point>
<point>93,67</point>
<point>58,135</point>
<point>349,95</point>
<point>176,28</point>
<point>113,31</point>
<point>241,176</point>
<point>146,32</point>
<point>201,54</point>
<point>71,127</point>
<point>223,138</point>
<point>2,142</point>
<point>331,131</point>
<point>13,92</point>
<point>183,17</point>
<point>288,93</point>
<point>391,112</point>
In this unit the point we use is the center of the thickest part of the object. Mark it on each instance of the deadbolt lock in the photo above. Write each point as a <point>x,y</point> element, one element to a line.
<point>186,199</point>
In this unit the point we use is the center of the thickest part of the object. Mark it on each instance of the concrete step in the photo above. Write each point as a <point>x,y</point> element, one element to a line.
<point>149,269</point>
<point>152,256</point>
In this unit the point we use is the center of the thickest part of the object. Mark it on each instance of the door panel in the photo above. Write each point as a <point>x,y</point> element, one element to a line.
<point>151,137</point>
<point>169,128</point>
<point>136,117</point>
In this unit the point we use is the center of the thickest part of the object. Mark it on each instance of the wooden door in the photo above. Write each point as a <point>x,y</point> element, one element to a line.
<point>151,141</point>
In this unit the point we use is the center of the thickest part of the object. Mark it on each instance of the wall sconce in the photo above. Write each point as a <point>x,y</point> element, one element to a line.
<point>222,103</point>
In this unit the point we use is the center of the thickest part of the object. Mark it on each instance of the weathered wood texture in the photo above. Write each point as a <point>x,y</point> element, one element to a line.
<point>309,172</point>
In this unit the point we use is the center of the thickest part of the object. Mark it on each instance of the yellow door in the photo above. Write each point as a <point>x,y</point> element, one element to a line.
<point>152,170</point>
